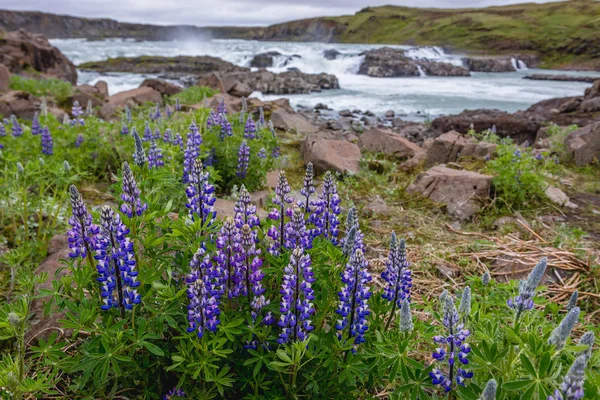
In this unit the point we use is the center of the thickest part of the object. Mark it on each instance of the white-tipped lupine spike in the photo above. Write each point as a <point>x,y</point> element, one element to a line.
<point>406,323</point>
<point>67,166</point>
<point>573,301</point>
<point>563,330</point>
<point>486,278</point>
<point>465,302</point>
<point>489,393</point>
<point>535,276</point>
<point>587,339</point>
<point>572,385</point>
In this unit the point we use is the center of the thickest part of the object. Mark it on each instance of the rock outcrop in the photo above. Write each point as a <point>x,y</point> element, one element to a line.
<point>387,62</point>
<point>134,97</point>
<point>163,87</point>
<point>562,78</point>
<point>287,120</point>
<point>21,104</point>
<point>452,145</point>
<point>289,82</point>
<point>388,142</point>
<point>330,154</point>
<point>499,63</point>
<point>4,78</point>
<point>22,52</point>
<point>584,144</point>
<point>266,60</point>
<point>462,192</point>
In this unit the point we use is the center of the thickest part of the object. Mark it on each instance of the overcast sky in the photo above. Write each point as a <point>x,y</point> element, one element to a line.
<point>223,12</point>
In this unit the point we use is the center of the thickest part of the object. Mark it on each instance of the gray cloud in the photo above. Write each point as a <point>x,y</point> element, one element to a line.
<point>223,12</point>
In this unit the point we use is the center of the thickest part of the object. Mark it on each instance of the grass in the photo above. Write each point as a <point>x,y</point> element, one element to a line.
<point>56,88</point>
<point>194,95</point>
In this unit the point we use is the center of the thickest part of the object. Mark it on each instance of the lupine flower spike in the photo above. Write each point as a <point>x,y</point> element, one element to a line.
<point>307,189</point>
<point>2,130</point>
<point>562,332</point>
<point>573,301</point>
<point>397,276</point>
<point>281,200</point>
<point>147,133</point>
<point>77,113</point>
<point>155,157</point>
<point>245,210</point>
<point>79,140</point>
<point>354,237</point>
<point>173,394</point>
<point>200,195</point>
<point>587,339</point>
<point>243,160</point>
<point>250,129</point>
<point>139,156</point>
<point>489,392</point>
<point>527,289</point>
<point>47,142</point>
<point>450,345</point>
<point>132,205</point>
<point>83,230</point>
<point>353,307</point>
<point>406,323</point>
<point>116,263</point>
<point>16,127</point>
<point>124,129</point>
<point>326,210</point>
<point>296,298</point>
<point>89,109</point>
<point>203,309</point>
<point>464,309</point>
<point>36,129</point>
<point>228,258</point>
<point>189,158</point>
<point>486,278</point>
<point>572,386</point>
<point>262,153</point>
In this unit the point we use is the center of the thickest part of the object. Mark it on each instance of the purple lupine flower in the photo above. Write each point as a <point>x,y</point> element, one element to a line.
<point>245,210</point>
<point>2,129</point>
<point>79,140</point>
<point>168,136</point>
<point>36,128</point>
<point>228,258</point>
<point>194,133</point>
<point>168,111</point>
<point>221,109</point>
<point>155,157</point>
<point>178,141</point>
<point>124,129</point>
<point>276,152</point>
<point>139,156</point>
<point>189,158</point>
<point>243,160</point>
<point>132,204</point>
<point>157,114</point>
<point>272,129</point>
<point>397,276</point>
<point>147,133</point>
<point>451,347</point>
<point>128,117</point>
<point>177,105</point>
<point>200,193</point>
<point>175,392</point>
<point>251,279</point>
<point>296,234</point>
<point>281,200</point>
<point>527,288</point>
<point>308,188</point>
<point>211,121</point>
<point>572,386</point>
<point>250,129</point>
<point>325,210</point>
<point>226,129</point>
<point>16,127</point>
<point>203,310</point>
<point>261,117</point>
<point>211,157</point>
<point>296,298</point>
<point>354,299</point>
<point>262,153</point>
<point>354,237</point>
<point>83,230</point>
<point>77,113</point>
<point>89,109</point>
<point>116,263</point>
<point>539,156</point>
<point>47,142</point>
<point>157,134</point>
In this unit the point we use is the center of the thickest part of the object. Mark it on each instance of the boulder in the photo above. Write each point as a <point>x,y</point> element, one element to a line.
<point>433,68</point>
<point>593,91</point>
<point>388,142</point>
<point>137,96</point>
<point>584,144</point>
<point>240,90</point>
<point>462,192</point>
<point>390,114</point>
<point>212,80</point>
<point>329,154</point>
<point>22,51</point>
<point>85,93</point>
<point>517,126</point>
<point>590,105</point>
<point>264,60</point>
<point>4,78</point>
<point>287,120</point>
<point>499,63</point>
<point>21,104</point>
<point>331,54</point>
<point>163,87</point>
<point>102,87</point>
<point>570,105</point>
<point>289,82</point>
<point>559,197</point>
<point>377,206</point>
<point>450,146</point>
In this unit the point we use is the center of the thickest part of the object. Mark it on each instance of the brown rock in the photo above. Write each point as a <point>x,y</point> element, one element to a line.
<point>570,105</point>
<point>330,154</point>
<point>291,121</point>
<point>135,97</point>
<point>377,206</point>
<point>460,191</point>
<point>450,146</point>
<point>21,104</point>
<point>102,87</point>
<point>388,142</point>
<point>590,105</point>
<point>584,144</point>
<point>240,90</point>
<point>272,177</point>
<point>4,78</point>
<point>163,87</point>
<point>593,91</point>
<point>232,104</point>
<point>85,93</point>
<point>21,51</point>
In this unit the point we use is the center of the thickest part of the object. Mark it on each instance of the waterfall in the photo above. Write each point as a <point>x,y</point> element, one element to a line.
<point>421,72</point>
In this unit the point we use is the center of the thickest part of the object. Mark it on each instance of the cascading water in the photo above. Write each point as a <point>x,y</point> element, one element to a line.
<point>421,72</point>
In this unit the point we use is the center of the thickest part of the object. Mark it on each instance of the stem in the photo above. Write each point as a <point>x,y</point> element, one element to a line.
<point>25,214</point>
<point>387,325</point>
<point>118,276</point>
<point>451,372</point>
<point>395,299</point>
<point>281,225</point>
<point>296,298</point>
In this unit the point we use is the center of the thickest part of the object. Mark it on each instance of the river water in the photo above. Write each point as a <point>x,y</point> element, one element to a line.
<point>415,97</point>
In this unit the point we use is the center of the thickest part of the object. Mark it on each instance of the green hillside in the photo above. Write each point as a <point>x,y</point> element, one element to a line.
<point>566,34</point>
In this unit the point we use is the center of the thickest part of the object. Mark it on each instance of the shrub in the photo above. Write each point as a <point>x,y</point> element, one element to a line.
<point>59,89</point>
<point>194,95</point>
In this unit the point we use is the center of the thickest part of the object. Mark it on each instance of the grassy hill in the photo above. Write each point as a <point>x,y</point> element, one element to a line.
<point>566,34</point>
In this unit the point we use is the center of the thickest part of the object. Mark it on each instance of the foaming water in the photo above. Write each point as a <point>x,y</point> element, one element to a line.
<point>414,97</point>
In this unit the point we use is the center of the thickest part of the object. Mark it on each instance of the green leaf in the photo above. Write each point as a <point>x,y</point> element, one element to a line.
<point>528,365</point>
<point>152,348</point>
<point>283,356</point>
<point>517,385</point>
<point>544,365</point>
